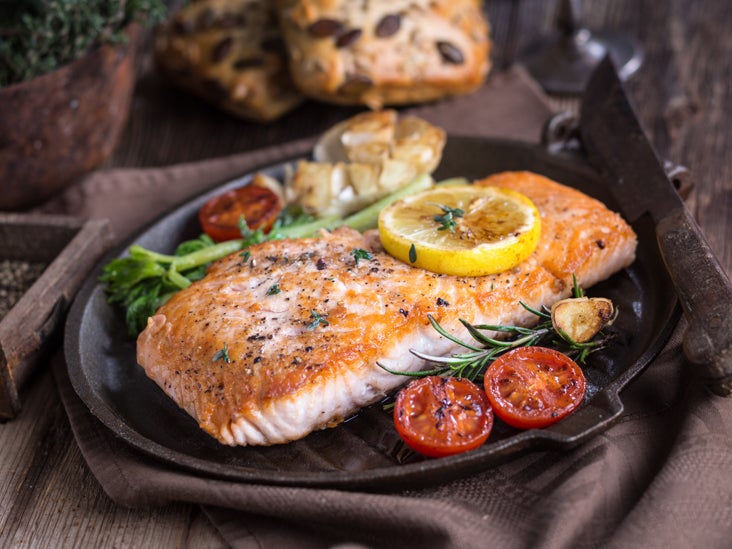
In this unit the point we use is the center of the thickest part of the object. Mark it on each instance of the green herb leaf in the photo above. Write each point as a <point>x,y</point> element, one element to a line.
<point>249,236</point>
<point>318,320</point>
<point>273,290</point>
<point>412,254</point>
<point>291,216</point>
<point>577,291</point>
<point>359,253</point>
<point>190,246</point>
<point>222,354</point>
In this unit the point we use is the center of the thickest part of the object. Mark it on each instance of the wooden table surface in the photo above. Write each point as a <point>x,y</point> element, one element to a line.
<point>683,92</point>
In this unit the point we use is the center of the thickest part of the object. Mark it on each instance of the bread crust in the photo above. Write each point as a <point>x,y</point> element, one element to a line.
<point>385,52</point>
<point>229,52</point>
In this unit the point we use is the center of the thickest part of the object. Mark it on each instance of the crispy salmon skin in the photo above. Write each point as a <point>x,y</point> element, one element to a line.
<point>269,347</point>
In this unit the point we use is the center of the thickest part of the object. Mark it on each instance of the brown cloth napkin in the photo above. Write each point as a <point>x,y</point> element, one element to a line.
<point>661,477</point>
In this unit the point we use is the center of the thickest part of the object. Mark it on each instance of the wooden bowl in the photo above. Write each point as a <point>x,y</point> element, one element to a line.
<point>58,126</point>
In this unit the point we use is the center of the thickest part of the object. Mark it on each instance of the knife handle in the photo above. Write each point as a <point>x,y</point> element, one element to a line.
<point>705,293</point>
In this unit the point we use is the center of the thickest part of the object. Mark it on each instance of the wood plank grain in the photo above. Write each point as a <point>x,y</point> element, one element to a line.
<point>72,247</point>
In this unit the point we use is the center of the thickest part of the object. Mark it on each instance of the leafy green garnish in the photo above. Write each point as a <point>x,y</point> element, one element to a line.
<point>143,281</point>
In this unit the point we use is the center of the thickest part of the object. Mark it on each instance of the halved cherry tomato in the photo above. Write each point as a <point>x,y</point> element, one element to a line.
<point>219,217</point>
<point>440,416</point>
<point>533,387</point>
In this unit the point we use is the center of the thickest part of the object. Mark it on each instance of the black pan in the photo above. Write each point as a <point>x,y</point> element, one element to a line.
<point>366,452</point>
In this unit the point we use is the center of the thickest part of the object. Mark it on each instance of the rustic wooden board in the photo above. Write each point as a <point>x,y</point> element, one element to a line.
<point>71,247</point>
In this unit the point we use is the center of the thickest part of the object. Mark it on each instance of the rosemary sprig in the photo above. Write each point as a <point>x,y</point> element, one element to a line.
<point>479,355</point>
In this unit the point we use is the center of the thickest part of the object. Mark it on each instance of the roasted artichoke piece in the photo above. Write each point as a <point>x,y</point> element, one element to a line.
<point>363,159</point>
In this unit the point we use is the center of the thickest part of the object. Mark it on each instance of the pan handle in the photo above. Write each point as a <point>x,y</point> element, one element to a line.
<point>706,298</point>
<point>703,288</point>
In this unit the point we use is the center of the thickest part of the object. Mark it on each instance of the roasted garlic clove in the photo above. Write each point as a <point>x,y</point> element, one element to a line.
<point>365,137</point>
<point>418,143</point>
<point>363,159</point>
<point>268,182</point>
<point>580,318</point>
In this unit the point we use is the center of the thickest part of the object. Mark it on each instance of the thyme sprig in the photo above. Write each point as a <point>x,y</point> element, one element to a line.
<point>39,36</point>
<point>479,355</point>
<point>447,219</point>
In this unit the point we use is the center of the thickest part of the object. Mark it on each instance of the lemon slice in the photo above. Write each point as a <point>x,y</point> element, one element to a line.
<point>463,230</point>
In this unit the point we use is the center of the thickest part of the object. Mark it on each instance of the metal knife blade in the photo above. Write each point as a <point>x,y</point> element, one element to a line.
<point>617,147</point>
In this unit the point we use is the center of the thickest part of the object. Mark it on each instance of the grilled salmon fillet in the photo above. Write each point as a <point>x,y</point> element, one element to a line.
<point>268,348</point>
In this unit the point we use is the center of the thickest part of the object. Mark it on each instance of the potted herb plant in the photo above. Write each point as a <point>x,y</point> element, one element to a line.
<point>66,80</point>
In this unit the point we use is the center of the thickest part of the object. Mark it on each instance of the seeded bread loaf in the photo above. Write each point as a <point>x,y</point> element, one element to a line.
<point>229,52</point>
<point>385,52</point>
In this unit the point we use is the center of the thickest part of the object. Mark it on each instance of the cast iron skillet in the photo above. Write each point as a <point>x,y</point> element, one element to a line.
<point>365,452</point>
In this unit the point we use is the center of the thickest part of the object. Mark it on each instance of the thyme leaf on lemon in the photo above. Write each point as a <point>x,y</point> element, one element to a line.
<point>447,219</point>
<point>412,254</point>
<point>482,230</point>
